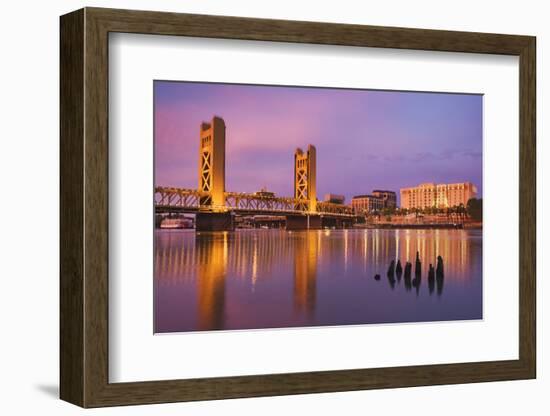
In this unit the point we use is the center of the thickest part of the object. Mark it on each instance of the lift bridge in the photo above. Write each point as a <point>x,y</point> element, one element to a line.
<point>215,208</point>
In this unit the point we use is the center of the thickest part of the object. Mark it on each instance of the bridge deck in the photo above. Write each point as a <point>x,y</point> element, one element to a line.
<point>192,201</point>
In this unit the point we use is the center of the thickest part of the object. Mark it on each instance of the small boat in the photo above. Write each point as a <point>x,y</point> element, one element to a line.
<point>176,223</point>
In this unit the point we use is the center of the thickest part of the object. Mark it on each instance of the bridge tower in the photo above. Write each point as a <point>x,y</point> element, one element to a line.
<point>212,162</point>
<point>305,172</point>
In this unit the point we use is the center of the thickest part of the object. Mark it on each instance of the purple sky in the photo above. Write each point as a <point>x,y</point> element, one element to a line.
<point>365,139</point>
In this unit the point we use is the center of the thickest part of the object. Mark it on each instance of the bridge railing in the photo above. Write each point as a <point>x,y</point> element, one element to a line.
<point>332,208</point>
<point>181,198</point>
<point>254,202</point>
<point>178,197</point>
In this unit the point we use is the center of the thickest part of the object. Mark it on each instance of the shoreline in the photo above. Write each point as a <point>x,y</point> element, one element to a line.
<point>370,227</point>
<point>475,226</point>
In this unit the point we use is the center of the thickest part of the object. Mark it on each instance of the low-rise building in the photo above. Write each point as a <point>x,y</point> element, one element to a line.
<point>335,199</point>
<point>364,204</point>
<point>265,193</point>
<point>389,197</point>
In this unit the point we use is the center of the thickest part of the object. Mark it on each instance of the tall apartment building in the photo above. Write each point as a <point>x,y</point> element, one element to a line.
<point>428,195</point>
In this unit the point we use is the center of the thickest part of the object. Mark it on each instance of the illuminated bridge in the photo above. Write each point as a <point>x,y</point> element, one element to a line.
<point>215,208</point>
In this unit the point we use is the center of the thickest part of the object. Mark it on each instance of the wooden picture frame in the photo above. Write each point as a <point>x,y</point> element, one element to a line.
<point>84,207</point>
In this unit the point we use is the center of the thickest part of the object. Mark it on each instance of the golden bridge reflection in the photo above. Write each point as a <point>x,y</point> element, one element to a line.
<point>305,271</point>
<point>211,280</point>
<point>226,268</point>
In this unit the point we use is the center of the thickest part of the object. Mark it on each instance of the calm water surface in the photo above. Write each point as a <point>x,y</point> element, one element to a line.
<point>275,278</point>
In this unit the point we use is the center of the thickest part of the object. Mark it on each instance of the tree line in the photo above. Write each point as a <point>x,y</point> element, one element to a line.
<point>473,210</point>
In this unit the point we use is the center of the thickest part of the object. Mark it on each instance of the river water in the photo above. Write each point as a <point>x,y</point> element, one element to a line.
<point>249,279</point>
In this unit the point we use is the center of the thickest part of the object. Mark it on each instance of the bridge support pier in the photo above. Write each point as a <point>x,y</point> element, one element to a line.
<point>330,222</point>
<point>303,222</point>
<point>214,221</point>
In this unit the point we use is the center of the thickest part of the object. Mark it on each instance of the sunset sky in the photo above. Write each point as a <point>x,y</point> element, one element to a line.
<point>365,139</point>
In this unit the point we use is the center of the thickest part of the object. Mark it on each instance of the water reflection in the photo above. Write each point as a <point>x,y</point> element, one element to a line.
<point>305,256</point>
<point>211,281</point>
<point>275,278</point>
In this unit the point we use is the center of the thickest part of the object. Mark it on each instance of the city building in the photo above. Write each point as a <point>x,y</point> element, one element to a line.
<point>430,194</point>
<point>363,204</point>
<point>335,199</point>
<point>265,193</point>
<point>389,197</point>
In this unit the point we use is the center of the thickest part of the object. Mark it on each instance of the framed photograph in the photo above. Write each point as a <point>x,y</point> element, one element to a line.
<point>255,207</point>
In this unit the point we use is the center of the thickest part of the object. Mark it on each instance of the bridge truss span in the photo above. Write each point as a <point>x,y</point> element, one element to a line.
<point>245,202</point>
<point>334,209</point>
<point>178,198</point>
<point>172,199</point>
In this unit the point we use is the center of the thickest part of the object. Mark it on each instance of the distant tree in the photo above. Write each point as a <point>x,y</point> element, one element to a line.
<point>461,212</point>
<point>453,212</point>
<point>474,208</point>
